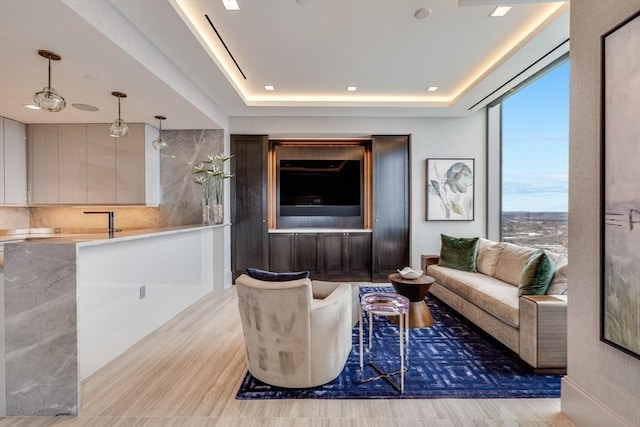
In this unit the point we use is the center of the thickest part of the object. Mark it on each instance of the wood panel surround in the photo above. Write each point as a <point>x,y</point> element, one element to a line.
<point>370,244</point>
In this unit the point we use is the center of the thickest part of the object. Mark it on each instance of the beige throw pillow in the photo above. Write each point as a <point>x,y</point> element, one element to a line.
<point>488,256</point>
<point>511,262</point>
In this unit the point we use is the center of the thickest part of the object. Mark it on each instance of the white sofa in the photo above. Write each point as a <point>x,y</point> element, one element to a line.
<point>532,326</point>
<point>297,333</point>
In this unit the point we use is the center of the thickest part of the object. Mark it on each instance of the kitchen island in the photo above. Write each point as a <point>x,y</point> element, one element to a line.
<point>74,302</point>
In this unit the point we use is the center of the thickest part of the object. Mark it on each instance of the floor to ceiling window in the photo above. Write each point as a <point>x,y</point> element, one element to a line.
<point>535,161</point>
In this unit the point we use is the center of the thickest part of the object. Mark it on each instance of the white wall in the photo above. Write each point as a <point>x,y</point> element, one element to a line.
<point>602,387</point>
<point>430,138</point>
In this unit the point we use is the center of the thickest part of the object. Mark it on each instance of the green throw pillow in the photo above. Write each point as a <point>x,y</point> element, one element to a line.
<point>458,252</point>
<point>537,274</point>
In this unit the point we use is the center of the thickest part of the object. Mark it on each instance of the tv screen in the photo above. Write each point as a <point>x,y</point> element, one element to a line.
<point>320,187</point>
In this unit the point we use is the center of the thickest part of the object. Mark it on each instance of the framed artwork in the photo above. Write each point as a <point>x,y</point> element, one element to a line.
<point>620,194</point>
<point>450,184</point>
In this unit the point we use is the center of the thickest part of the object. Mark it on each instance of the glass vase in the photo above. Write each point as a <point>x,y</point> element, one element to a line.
<point>206,212</point>
<point>218,214</point>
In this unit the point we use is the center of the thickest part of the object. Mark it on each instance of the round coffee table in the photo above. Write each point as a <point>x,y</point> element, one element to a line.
<point>415,290</point>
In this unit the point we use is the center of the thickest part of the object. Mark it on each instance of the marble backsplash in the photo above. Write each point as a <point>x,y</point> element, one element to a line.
<point>13,217</point>
<point>125,217</point>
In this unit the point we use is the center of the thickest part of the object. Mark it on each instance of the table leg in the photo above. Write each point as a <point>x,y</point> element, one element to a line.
<point>401,333</point>
<point>360,336</point>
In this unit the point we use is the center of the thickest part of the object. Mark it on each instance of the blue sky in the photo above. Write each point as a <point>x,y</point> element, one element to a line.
<point>535,145</point>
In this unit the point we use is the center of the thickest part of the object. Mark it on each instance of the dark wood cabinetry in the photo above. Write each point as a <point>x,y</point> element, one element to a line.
<point>293,252</point>
<point>390,205</point>
<point>347,256</point>
<point>249,230</point>
<point>327,256</point>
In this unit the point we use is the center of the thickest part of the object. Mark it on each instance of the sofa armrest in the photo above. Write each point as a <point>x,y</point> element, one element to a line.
<point>543,331</point>
<point>427,260</point>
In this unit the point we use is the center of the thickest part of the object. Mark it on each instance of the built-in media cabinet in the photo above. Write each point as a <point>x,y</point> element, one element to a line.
<point>338,208</point>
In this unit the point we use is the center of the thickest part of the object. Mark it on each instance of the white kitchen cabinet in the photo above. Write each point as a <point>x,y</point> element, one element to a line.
<point>72,164</point>
<point>43,164</point>
<point>13,162</point>
<point>92,167</point>
<point>101,160</point>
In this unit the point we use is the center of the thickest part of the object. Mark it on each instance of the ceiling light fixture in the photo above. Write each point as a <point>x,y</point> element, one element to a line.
<point>352,88</point>
<point>500,11</point>
<point>231,4</point>
<point>47,99</point>
<point>119,128</point>
<point>160,143</point>
<point>422,13</point>
<point>269,87</point>
<point>432,88</point>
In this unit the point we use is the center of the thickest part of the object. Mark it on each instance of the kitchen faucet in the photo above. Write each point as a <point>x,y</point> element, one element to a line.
<point>111,218</point>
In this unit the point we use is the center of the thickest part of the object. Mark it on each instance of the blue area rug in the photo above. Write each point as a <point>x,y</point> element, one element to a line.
<point>452,359</point>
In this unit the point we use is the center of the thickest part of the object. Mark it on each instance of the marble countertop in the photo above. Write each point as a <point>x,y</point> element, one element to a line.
<point>94,237</point>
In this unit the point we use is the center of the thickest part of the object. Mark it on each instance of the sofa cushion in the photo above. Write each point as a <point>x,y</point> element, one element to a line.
<point>536,274</point>
<point>498,298</point>
<point>269,276</point>
<point>488,256</point>
<point>511,262</point>
<point>559,283</point>
<point>458,252</point>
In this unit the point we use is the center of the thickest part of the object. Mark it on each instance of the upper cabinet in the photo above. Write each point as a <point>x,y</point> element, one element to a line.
<point>13,163</point>
<point>83,164</point>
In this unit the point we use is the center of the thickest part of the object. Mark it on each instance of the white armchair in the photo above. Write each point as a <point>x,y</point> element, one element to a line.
<point>297,333</point>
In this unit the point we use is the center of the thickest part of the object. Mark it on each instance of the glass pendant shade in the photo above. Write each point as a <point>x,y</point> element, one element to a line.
<point>47,99</point>
<point>160,143</point>
<point>119,128</point>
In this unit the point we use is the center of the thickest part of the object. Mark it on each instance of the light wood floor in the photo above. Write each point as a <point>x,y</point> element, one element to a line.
<point>188,371</point>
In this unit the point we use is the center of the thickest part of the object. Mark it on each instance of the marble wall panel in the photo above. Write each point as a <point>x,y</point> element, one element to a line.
<point>11,217</point>
<point>42,377</point>
<point>181,196</point>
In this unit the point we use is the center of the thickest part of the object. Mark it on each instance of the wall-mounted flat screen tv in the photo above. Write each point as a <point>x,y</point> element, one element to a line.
<point>320,187</point>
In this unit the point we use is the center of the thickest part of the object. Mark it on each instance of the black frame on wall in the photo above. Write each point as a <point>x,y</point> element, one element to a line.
<point>619,200</point>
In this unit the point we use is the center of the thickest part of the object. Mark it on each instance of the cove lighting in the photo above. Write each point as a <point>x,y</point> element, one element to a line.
<point>231,4</point>
<point>500,11</point>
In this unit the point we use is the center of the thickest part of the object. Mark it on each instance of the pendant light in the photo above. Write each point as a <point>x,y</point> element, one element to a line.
<point>119,128</point>
<point>47,99</point>
<point>160,143</point>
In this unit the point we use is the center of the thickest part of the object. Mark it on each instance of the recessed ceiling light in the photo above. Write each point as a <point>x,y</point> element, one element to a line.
<point>85,107</point>
<point>500,11</point>
<point>31,106</point>
<point>231,4</point>
<point>269,87</point>
<point>432,88</point>
<point>422,13</point>
<point>352,88</point>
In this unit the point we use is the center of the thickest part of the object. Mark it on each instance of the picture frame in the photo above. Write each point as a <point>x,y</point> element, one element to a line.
<point>620,200</point>
<point>450,189</point>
